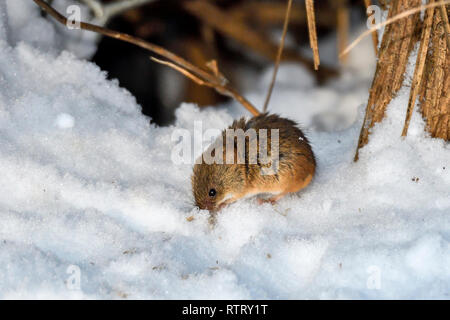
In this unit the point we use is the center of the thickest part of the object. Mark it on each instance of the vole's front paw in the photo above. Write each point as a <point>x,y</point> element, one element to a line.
<point>272,200</point>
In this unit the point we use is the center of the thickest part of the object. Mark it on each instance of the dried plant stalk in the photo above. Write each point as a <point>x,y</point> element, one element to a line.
<point>383,4</point>
<point>223,89</point>
<point>368,3</point>
<point>236,29</point>
<point>226,24</point>
<point>199,52</point>
<point>398,41</point>
<point>391,20</point>
<point>343,24</point>
<point>435,88</point>
<point>280,52</point>
<point>104,12</point>
<point>420,63</point>
<point>214,80</point>
<point>264,13</point>
<point>312,32</point>
<point>444,17</point>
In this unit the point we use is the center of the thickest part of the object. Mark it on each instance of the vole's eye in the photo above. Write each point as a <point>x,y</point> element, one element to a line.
<point>212,193</point>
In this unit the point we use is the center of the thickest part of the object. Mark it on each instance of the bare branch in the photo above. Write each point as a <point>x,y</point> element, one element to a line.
<point>214,80</point>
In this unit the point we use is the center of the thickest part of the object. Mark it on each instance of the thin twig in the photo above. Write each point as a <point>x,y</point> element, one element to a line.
<point>420,63</point>
<point>104,12</point>
<point>280,52</point>
<point>223,89</point>
<point>216,80</point>
<point>374,33</point>
<point>400,16</point>
<point>444,17</point>
<point>312,32</point>
<point>183,72</point>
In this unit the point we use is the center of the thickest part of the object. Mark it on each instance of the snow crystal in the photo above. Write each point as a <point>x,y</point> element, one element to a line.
<point>65,121</point>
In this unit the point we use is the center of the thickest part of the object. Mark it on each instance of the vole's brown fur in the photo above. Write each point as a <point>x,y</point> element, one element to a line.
<point>235,181</point>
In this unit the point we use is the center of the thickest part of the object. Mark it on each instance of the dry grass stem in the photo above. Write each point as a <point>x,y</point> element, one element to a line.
<point>279,54</point>
<point>398,41</point>
<point>444,17</point>
<point>221,86</point>
<point>312,32</point>
<point>420,64</point>
<point>343,25</point>
<point>264,13</point>
<point>368,3</point>
<point>104,12</point>
<point>229,26</point>
<point>400,16</point>
<point>214,80</point>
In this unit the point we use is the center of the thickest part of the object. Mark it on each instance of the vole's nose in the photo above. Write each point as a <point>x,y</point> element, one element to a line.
<point>207,205</point>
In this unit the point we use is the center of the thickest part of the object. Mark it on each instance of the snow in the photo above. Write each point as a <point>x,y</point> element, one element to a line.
<point>47,35</point>
<point>92,207</point>
<point>65,121</point>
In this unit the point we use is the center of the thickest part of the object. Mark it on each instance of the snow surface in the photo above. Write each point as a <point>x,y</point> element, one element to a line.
<point>88,191</point>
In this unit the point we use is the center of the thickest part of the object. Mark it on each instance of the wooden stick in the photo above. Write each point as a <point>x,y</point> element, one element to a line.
<point>312,32</point>
<point>400,16</point>
<point>420,63</point>
<point>444,16</point>
<point>280,52</point>
<point>216,80</point>
<point>374,33</point>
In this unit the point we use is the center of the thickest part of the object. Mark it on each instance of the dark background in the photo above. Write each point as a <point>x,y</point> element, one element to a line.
<point>166,22</point>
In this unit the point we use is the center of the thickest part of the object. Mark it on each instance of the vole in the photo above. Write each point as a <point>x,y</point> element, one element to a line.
<point>216,185</point>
